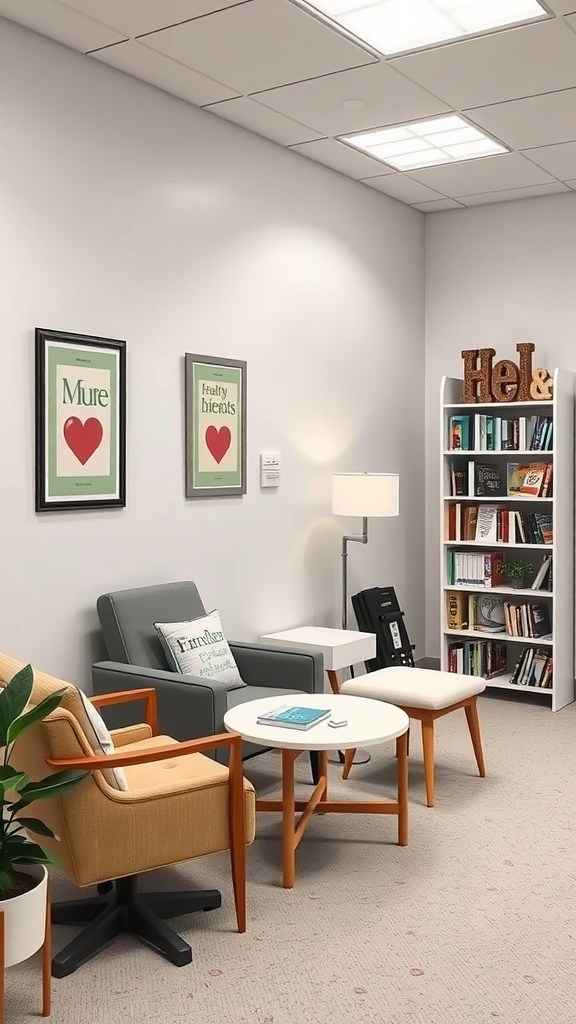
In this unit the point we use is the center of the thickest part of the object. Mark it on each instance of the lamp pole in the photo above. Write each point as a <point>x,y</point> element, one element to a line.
<point>361,538</point>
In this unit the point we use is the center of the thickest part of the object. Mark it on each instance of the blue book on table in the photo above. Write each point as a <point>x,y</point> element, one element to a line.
<point>294,717</point>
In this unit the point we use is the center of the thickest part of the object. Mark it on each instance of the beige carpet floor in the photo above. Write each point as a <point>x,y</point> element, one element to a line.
<point>472,923</point>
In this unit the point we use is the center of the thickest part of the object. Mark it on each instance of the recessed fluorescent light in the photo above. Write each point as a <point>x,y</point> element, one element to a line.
<point>393,26</point>
<point>439,140</point>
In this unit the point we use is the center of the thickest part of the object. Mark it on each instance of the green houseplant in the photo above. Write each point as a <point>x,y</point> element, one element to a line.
<point>516,570</point>
<point>23,875</point>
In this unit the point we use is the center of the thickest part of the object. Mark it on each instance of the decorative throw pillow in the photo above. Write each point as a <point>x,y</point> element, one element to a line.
<point>199,648</point>
<point>96,732</point>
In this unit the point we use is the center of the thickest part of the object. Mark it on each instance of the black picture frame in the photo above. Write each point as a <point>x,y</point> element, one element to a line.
<point>80,463</point>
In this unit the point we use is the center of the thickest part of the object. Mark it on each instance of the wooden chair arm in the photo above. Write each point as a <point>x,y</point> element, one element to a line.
<point>98,761</point>
<point>147,694</point>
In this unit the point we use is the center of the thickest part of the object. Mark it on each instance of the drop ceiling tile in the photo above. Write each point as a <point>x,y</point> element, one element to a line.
<point>490,173</point>
<point>557,160</point>
<point>162,72</point>
<point>342,158</point>
<point>562,6</point>
<point>571,183</point>
<point>50,19</point>
<point>399,186</point>
<point>571,22</point>
<point>351,101</point>
<point>133,17</point>
<point>507,195</point>
<point>457,72</point>
<point>536,121</point>
<point>259,45</point>
<point>262,121</point>
<point>437,205</point>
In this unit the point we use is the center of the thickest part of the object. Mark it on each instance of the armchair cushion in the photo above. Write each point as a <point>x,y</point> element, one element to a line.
<point>96,732</point>
<point>198,647</point>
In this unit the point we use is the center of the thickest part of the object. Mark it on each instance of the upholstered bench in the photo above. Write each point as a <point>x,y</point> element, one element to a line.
<point>425,695</point>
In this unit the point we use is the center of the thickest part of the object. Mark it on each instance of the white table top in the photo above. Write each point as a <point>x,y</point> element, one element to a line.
<point>369,722</point>
<point>339,647</point>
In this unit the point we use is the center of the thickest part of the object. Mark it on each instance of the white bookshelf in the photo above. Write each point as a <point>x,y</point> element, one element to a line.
<point>561,505</point>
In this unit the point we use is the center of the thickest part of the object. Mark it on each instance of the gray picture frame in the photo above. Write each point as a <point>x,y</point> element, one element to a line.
<point>215,390</point>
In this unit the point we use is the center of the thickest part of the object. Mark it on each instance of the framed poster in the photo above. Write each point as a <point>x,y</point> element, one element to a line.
<point>80,421</point>
<point>215,426</point>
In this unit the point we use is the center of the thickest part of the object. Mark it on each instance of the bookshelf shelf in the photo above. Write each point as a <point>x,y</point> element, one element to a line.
<point>501,406</point>
<point>551,516</point>
<point>505,591</point>
<point>517,499</point>
<point>511,453</point>
<point>493,544</point>
<point>478,634</point>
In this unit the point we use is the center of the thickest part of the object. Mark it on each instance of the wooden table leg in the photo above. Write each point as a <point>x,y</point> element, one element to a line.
<point>47,962</point>
<point>333,680</point>
<point>288,813</point>
<point>402,764</point>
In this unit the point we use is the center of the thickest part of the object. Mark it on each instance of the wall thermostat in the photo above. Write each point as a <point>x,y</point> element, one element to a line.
<point>270,469</point>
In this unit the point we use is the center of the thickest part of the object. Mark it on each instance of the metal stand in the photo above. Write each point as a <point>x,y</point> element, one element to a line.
<point>361,756</point>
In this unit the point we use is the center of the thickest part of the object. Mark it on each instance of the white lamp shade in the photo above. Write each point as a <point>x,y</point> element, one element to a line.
<point>365,494</point>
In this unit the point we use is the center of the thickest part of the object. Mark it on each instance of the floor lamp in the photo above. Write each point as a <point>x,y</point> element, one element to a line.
<point>365,495</point>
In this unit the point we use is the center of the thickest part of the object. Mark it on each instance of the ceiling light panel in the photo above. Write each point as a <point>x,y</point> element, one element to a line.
<point>395,26</point>
<point>440,140</point>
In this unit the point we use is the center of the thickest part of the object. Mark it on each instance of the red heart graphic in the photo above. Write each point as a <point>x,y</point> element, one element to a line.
<point>218,442</point>
<point>83,438</point>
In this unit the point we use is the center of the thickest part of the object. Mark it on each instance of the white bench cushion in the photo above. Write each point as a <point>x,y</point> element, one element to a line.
<point>415,687</point>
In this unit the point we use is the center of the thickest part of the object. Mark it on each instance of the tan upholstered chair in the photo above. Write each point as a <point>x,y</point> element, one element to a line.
<point>179,805</point>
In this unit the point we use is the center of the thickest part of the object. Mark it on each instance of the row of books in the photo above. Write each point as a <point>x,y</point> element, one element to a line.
<point>482,433</point>
<point>495,523</point>
<point>534,668</point>
<point>486,480</point>
<point>488,659</point>
<point>484,658</point>
<point>477,569</point>
<point>491,613</point>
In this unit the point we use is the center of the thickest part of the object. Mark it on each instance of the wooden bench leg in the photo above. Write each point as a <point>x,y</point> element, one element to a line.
<point>428,752</point>
<point>471,710</point>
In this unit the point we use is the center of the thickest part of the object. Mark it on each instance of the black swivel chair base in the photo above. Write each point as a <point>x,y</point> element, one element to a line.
<point>125,911</point>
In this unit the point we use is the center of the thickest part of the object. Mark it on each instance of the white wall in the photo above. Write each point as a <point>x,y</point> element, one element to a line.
<point>126,213</point>
<point>495,276</point>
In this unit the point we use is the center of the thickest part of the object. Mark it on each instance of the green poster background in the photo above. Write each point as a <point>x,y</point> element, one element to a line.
<point>80,487</point>
<point>214,373</point>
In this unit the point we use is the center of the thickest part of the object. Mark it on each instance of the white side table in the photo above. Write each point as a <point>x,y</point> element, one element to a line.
<point>367,721</point>
<point>340,648</point>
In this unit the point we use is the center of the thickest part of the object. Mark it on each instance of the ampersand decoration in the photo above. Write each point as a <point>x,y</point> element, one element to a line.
<point>541,386</point>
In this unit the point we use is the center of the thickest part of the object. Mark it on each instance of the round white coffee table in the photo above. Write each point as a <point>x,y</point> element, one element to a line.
<point>368,722</point>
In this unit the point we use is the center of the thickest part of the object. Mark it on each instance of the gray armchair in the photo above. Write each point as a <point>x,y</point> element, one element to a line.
<point>188,706</point>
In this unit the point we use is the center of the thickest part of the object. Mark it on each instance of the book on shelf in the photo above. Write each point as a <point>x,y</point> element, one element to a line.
<point>486,613</point>
<point>527,619</point>
<point>487,523</point>
<point>534,667</point>
<point>542,579</point>
<point>528,480</point>
<point>294,717</point>
<point>534,480</point>
<point>484,480</point>
<point>479,432</point>
<point>456,610</point>
<point>484,658</point>
<point>474,568</point>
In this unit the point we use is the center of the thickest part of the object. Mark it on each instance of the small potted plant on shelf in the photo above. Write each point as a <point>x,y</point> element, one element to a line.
<point>516,572</point>
<point>23,874</point>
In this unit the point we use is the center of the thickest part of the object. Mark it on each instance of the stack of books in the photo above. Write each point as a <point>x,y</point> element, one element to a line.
<point>526,619</point>
<point>534,668</point>
<point>484,658</point>
<point>481,433</point>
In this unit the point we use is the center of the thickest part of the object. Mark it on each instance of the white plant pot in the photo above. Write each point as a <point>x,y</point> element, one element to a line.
<point>25,918</point>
